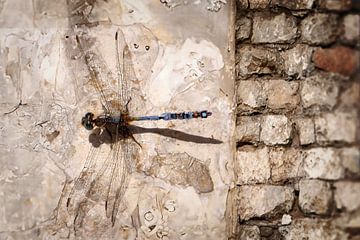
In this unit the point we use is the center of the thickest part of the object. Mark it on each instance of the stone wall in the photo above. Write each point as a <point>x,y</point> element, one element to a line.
<point>298,94</point>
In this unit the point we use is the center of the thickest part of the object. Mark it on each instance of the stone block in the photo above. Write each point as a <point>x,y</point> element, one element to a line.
<point>252,165</point>
<point>350,97</point>
<point>339,59</point>
<point>256,60</point>
<point>319,92</point>
<point>351,25</point>
<point>294,4</point>
<point>281,94</point>
<point>259,4</point>
<point>250,95</point>
<point>285,164</point>
<point>249,233</point>
<point>336,127</point>
<point>323,163</point>
<point>347,195</point>
<point>242,28</point>
<point>297,61</point>
<point>248,129</point>
<point>319,29</point>
<point>337,5</point>
<point>308,228</point>
<point>306,130</point>
<point>350,158</point>
<point>260,200</point>
<point>275,130</point>
<point>315,196</point>
<point>280,28</point>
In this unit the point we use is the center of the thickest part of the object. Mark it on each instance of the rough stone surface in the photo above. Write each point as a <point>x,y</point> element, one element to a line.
<point>248,129</point>
<point>275,129</point>
<point>256,4</point>
<point>337,126</point>
<point>243,28</point>
<point>301,229</point>
<point>285,164</point>
<point>286,219</point>
<point>319,29</point>
<point>319,92</point>
<point>249,233</point>
<point>294,4</point>
<point>297,61</point>
<point>350,98</point>
<point>306,130</point>
<point>274,29</point>
<point>350,158</point>
<point>334,59</point>
<point>281,94</point>
<point>339,5</point>
<point>250,95</point>
<point>315,196</point>
<point>323,163</point>
<point>260,200</point>
<point>257,60</point>
<point>347,195</point>
<point>351,24</point>
<point>252,165</point>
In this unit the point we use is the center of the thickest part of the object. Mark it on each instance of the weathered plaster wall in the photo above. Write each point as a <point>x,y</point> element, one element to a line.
<point>182,59</point>
<point>298,157</point>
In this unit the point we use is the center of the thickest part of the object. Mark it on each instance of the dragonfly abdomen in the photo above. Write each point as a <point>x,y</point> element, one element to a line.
<point>175,116</point>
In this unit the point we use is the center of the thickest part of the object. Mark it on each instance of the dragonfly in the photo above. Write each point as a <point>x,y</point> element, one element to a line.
<point>115,127</point>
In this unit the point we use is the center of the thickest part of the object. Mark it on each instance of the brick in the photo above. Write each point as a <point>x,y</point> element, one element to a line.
<point>248,129</point>
<point>250,95</point>
<point>308,228</point>
<point>282,94</point>
<point>260,200</point>
<point>297,61</point>
<point>280,28</point>
<point>339,5</point>
<point>351,25</point>
<point>315,196</point>
<point>249,233</point>
<point>319,29</point>
<point>285,164</point>
<point>337,59</point>
<point>336,127</point>
<point>319,92</point>
<point>294,4</point>
<point>350,158</point>
<point>347,195</point>
<point>252,165</point>
<point>323,163</point>
<point>256,60</point>
<point>306,130</point>
<point>275,129</point>
<point>242,28</point>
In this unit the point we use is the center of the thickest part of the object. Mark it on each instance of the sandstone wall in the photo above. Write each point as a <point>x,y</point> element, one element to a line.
<point>298,92</point>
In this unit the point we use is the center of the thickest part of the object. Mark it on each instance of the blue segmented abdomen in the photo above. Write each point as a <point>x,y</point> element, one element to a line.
<point>175,116</point>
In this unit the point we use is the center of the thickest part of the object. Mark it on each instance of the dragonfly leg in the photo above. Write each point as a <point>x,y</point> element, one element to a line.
<point>133,138</point>
<point>127,104</point>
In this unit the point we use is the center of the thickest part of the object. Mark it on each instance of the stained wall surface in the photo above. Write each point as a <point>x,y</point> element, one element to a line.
<point>61,59</point>
<point>298,157</point>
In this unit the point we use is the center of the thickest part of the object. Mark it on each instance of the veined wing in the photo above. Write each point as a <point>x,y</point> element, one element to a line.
<point>101,78</point>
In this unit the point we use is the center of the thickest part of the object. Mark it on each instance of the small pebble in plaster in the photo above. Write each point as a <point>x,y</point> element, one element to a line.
<point>148,216</point>
<point>286,219</point>
<point>170,206</point>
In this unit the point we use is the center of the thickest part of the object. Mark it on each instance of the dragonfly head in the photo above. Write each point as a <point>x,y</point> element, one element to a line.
<point>87,121</point>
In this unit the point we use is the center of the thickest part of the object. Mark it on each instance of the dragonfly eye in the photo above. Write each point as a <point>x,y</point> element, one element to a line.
<point>87,121</point>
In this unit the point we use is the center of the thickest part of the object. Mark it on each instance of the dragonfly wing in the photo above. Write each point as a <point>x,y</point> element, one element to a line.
<point>100,76</point>
<point>83,181</point>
